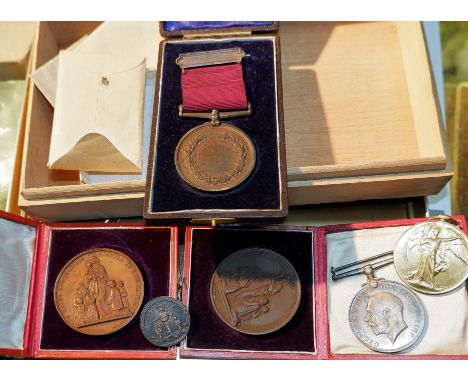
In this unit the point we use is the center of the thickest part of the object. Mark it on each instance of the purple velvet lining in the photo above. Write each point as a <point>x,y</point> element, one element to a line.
<point>261,189</point>
<point>209,248</point>
<point>187,25</point>
<point>149,248</point>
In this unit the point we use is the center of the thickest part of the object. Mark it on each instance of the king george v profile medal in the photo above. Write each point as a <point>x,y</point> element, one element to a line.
<point>215,156</point>
<point>99,291</point>
<point>384,315</point>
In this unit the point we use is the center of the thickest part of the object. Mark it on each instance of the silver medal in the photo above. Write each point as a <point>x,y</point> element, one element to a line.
<point>386,318</point>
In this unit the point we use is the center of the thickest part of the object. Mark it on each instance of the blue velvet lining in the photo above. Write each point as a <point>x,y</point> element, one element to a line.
<point>188,25</point>
<point>262,189</point>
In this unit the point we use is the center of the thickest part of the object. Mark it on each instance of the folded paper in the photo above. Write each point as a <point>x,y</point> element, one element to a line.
<point>116,38</point>
<point>98,118</point>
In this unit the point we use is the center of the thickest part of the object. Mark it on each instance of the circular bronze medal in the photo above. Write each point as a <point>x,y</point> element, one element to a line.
<point>164,321</point>
<point>215,158</point>
<point>432,257</point>
<point>255,291</point>
<point>99,291</point>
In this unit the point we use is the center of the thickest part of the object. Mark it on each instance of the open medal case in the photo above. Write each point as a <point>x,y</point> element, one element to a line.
<point>209,337</point>
<point>444,335</point>
<point>264,193</point>
<point>319,329</point>
<point>32,256</point>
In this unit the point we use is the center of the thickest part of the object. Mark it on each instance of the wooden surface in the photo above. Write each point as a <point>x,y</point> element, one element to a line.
<point>460,151</point>
<point>358,100</point>
<point>16,40</point>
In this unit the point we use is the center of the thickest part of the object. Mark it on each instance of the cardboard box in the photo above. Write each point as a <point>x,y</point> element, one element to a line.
<point>361,122</point>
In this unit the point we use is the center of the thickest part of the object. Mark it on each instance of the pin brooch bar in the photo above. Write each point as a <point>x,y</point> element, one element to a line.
<point>217,57</point>
<point>220,114</point>
<point>359,265</point>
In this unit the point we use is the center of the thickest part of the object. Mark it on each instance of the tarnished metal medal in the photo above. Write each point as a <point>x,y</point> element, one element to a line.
<point>432,257</point>
<point>215,156</point>
<point>385,316</point>
<point>99,291</point>
<point>255,291</point>
<point>164,321</point>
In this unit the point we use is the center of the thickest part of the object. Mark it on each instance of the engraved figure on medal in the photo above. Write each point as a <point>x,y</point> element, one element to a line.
<point>247,291</point>
<point>255,291</point>
<point>432,257</point>
<point>164,321</point>
<point>385,315</point>
<point>101,299</point>
<point>92,292</point>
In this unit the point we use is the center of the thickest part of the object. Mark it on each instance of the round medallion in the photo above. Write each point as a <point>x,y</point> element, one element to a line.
<point>164,321</point>
<point>255,291</point>
<point>388,318</point>
<point>215,158</point>
<point>432,257</point>
<point>99,291</point>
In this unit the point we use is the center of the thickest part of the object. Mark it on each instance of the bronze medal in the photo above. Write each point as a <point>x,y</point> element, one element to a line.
<point>255,291</point>
<point>215,158</point>
<point>99,291</point>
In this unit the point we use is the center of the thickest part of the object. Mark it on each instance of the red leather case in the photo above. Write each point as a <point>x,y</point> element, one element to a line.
<point>39,283</point>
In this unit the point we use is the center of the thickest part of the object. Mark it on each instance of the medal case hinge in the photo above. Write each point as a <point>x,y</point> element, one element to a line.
<point>213,222</point>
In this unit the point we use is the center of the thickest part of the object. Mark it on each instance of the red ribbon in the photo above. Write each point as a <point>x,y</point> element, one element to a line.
<point>219,87</point>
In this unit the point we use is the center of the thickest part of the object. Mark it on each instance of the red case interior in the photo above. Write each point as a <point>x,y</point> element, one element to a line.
<point>37,292</point>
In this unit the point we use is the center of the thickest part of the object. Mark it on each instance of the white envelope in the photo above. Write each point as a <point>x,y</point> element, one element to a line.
<point>125,38</point>
<point>45,78</point>
<point>98,117</point>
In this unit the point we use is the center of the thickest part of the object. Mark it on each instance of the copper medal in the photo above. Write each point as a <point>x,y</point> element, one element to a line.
<point>99,291</point>
<point>255,291</point>
<point>215,158</point>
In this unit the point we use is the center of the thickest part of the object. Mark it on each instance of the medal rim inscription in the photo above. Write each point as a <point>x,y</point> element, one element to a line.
<point>297,282</point>
<point>400,348</point>
<point>209,188</point>
<point>400,268</point>
<point>155,301</point>
<point>125,321</point>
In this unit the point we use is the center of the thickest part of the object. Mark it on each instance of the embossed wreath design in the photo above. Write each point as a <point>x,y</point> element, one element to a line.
<point>213,180</point>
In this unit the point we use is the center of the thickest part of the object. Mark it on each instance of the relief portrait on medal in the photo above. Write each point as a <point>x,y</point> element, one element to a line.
<point>436,249</point>
<point>385,315</point>
<point>248,291</point>
<point>98,298</point>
